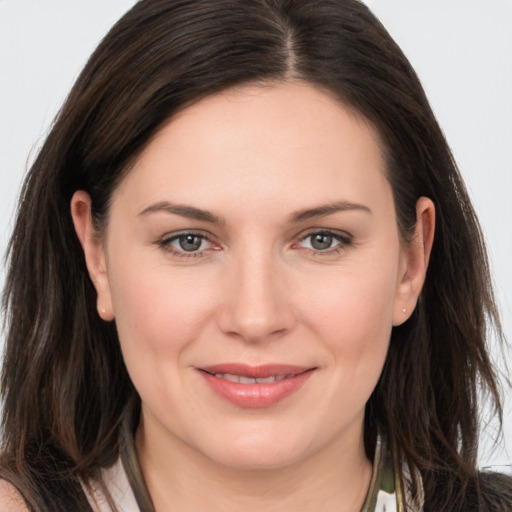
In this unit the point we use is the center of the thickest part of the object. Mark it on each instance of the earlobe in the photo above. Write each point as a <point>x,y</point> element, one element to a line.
<point>94,253</point>
<point>416,256</point>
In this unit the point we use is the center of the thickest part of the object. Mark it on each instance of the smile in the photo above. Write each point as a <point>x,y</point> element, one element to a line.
<point>255,387</point>
<point>241,379</point>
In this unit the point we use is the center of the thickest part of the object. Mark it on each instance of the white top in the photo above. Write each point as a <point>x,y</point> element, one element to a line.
<point>117,482</point>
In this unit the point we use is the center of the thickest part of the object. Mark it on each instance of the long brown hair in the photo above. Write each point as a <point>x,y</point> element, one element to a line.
<point>64,382</point>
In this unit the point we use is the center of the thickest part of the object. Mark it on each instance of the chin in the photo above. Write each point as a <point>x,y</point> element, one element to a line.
<point>251,460</point>
<point>257,454</point>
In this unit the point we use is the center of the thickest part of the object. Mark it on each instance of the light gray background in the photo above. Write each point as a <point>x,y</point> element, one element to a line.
<point>461,49</point>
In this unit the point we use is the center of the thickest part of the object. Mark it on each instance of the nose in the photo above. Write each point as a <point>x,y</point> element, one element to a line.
<point>256,304</point>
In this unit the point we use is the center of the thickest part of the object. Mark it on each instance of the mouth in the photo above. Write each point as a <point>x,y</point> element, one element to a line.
<point>255,386</point>
<point>242,379</point>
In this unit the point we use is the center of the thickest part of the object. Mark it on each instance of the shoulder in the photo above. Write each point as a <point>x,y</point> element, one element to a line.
<point>488,492</point>
<point>10,498</point>
<point>496,491</point>
<point>482,492</point>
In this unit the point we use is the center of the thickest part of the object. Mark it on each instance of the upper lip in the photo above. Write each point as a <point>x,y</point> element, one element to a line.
<point>261,371</point>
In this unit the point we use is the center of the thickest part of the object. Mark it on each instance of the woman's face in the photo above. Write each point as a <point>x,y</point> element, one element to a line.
<point>256,238</point>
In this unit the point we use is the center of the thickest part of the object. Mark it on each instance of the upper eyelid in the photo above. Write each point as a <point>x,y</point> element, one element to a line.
<point>343,240</point>
<point>338,233</point>
<point>195,232</point>
<point>299,236</point>
<point>169,237</point>
<point>165,243</point>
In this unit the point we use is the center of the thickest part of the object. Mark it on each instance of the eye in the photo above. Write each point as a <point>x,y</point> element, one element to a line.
<point>320,241</point>
<point>324,241</point>
<point>187,244</point>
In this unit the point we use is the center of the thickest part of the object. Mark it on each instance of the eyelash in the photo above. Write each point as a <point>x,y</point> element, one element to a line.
<point>344,240</point>
<point>165,244</point>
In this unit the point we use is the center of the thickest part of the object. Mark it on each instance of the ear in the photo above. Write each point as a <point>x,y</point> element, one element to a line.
<point>415,258</point>
<point>94,252</point>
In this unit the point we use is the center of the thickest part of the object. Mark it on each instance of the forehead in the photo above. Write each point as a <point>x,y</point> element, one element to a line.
<point>279,142</point>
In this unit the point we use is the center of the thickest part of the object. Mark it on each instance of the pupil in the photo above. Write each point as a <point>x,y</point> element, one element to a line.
<point>190,242</point>
<point>321,242</point>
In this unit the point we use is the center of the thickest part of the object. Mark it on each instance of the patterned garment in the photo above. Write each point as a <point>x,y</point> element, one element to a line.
<point>384,494</point>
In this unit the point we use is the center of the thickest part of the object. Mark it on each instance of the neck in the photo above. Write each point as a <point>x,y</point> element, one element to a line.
<point>178,477</point>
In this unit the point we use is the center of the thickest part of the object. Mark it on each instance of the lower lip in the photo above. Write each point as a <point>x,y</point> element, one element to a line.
<point>256,395</point>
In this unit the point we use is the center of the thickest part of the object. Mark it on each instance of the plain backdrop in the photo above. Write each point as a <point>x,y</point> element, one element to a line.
<point>461,49</point>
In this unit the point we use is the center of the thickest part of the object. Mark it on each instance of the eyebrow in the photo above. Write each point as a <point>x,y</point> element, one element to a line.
<point>189,212</point>
<point>327,209</point>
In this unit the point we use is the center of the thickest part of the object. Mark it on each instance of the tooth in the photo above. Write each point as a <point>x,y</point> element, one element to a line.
<point>247,380</point>
<point>241,379</point>
<point>265,380</point>
<point>232,378</point>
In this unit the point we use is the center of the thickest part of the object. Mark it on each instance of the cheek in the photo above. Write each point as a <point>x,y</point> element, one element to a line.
<point>158,319</point>
<point>356,304</point>
<point>353,316</point>
<point>157,310</point>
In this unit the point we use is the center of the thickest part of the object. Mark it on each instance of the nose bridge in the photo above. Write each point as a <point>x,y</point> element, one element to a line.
<point>256,307</point>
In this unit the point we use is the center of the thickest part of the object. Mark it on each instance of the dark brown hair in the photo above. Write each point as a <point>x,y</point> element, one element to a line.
<point>64,382</point>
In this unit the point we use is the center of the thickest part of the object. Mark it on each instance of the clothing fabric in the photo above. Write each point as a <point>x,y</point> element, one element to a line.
<point>120,490</point>
<point>384,495</point>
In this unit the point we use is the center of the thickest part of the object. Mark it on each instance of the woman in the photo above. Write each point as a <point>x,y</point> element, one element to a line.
<point>218,292</point>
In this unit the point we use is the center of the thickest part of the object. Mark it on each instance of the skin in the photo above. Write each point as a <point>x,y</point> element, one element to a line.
<point>257,291</point>
<point>10,498</point>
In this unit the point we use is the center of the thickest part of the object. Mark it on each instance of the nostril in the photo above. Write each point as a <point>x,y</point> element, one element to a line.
<point>256,329</point>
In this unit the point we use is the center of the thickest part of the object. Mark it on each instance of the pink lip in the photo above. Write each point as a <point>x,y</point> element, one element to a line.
<point>256,395</point>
